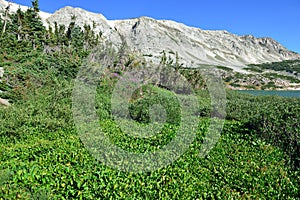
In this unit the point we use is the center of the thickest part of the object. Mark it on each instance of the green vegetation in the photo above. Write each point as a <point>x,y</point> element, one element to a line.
<point>139,109</point>
<point>291,66</point>
<point>235,84</point>
<point>253,68</point>
<point>289,78</point>
<point>251,87</point>
<point>225,68</point>
<point>269,85</point>
<point>42,156</point>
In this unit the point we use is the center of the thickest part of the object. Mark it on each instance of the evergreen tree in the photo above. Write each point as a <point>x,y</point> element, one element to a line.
<point>5,19</point>
<point>35,6</point>
<point>36,28</point>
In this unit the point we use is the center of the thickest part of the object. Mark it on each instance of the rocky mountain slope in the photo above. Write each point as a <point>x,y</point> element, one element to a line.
<point>199,46</point>
<point>192,45</point>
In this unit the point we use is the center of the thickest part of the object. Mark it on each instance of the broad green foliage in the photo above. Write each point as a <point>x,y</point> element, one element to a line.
<point>42,157</point>
<point>54,163</point>
<point>274,119</point>
<point>140,108</point>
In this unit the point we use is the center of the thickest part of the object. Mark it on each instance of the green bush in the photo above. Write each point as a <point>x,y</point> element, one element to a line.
<point>140,109</point>
<point>274,119</point>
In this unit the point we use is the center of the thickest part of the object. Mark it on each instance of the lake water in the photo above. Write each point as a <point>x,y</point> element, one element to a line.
<point>284,93</point>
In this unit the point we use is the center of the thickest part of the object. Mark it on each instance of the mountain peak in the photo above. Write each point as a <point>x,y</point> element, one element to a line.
<point>79,13</point>
<point>193,45</point>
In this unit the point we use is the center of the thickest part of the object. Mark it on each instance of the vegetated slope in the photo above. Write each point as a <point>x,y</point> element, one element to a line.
<point>267,76</point>
<point>289,66</point>
<point>282,75</point>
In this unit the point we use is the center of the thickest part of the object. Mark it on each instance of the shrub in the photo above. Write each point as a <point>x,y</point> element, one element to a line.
<point>140,109</point>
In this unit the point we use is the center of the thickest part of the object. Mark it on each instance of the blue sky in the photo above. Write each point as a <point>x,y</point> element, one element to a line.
<point>279,19</point>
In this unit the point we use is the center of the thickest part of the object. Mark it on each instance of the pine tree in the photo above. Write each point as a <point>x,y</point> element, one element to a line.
<point>35,6</point>
<point>5,19</point>
<point>17,24</point>
<point>36,27</point>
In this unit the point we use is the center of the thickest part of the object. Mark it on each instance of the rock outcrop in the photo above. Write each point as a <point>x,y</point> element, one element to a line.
<point>4,102</point>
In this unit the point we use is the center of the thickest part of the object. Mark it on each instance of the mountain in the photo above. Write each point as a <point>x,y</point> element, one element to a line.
<point>199,46</point>
<point>192,45</point>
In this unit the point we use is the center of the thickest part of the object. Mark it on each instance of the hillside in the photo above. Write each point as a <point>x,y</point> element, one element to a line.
<point>194,46</point>
<point>190,47</point>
